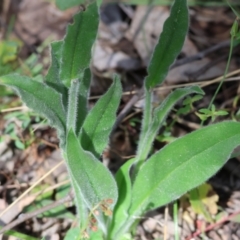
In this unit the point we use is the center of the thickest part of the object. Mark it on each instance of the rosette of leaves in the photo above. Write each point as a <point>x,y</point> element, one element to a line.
<point>108,206</point>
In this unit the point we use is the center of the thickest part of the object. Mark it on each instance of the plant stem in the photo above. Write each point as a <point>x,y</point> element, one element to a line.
<point>142,152</point>
<point>225,73</point>
<point>72,104</point>
<point>175,217</point>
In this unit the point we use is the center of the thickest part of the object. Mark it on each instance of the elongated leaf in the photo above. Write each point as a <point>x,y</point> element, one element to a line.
<point>83,98</point>
<point>183,165</point>
<point>169,45</point>
<point>82,208</point>
<point>121,209</point>
<point>100,120</point>
<point>159,115</point>
<point>40,97</point>
<point>53,75</point>
<point>77,45</point>
<point>95,181</point>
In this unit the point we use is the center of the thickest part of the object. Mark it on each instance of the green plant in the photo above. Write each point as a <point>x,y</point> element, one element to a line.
<point>110,205</point>
<point>8,56</point>
<point>20,120</point>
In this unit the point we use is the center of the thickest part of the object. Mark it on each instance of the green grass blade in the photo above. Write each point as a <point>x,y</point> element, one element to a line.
<point>77,45</point>
<point>182,165</point>
<point>169,45</point>
<point>99,122</point>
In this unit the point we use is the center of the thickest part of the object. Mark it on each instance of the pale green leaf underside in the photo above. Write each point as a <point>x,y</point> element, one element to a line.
<point>87,171</point>
<point>77,45</point>
<point>183,165</point>
<point>98,124</point>
<point>169,45</point>
<point>82,210</point>
<point>39,97</point>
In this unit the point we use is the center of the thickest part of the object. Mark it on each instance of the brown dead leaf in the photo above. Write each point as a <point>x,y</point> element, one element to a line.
<point>37,20</point>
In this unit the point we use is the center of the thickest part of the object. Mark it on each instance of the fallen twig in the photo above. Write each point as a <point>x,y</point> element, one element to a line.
<point>213,225</point>
<point>25,217</point>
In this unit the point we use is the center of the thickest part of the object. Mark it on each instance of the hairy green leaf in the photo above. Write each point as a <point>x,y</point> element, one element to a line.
<point>182,165</point>
<point>147,116</point>
<point>52,78</point>
<point>87,171</point>
<point>169,45</point>
<point>159,115</point>
<point>83,99</point>
<point>100,120</point>
<point>40,97</point>
<point>82,209</point>
<point>54,70</point>
<point>120,215</point>
<point>77,45</point>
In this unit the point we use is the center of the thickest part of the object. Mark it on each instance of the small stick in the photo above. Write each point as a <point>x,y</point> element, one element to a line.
<point>201,54</point>
<point>27,216</point>
<point>212,226</point>
<point>29,189</point>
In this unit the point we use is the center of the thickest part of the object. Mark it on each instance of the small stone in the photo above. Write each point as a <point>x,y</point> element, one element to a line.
<point>150,225</point>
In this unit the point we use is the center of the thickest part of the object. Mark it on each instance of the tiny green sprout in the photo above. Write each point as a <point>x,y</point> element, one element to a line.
<point>212,113</point>
<point>188,104</point>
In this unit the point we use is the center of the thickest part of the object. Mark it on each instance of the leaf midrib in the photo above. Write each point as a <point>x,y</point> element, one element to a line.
<point>155,186</point>
<point>103,113</point>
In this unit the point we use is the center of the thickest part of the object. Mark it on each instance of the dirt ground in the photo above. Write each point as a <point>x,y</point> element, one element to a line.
<point>126,38</point>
